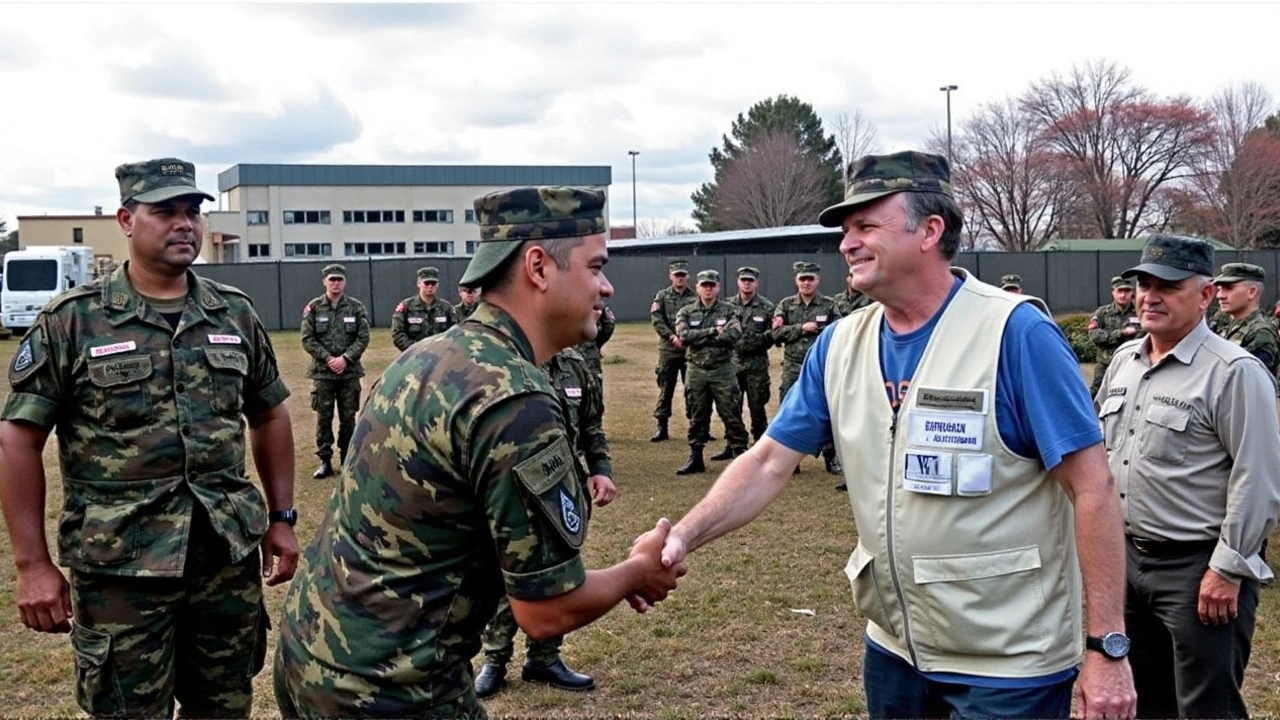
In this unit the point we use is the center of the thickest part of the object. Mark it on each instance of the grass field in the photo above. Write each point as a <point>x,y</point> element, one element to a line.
<point>728,642</point>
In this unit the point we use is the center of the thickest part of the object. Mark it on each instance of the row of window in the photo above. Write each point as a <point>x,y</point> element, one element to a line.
<point>353,217</point>
<point>355,249</point>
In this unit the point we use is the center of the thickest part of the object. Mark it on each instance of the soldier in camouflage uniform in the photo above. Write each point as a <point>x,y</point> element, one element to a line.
<point>1240,287</point>
<point>1011,284</point>
<point>1113,325</point>
<point>422,315</point>
<point>797,320</point>
<point>463,486</point>
<point>751,355</point>
<point>591,349</point>
<point>468,300</point>
<point>583,407</point>
<point>335,333</point>
<point>671,352</point>
<point>148,374</point>
<point>850,299</point>
<point>710,329</point>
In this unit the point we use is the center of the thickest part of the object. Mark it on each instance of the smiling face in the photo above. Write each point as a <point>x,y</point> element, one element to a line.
<point>164,238</point>
<point>1169,310</point>
<point>878,246</point>
<point>578,292</point>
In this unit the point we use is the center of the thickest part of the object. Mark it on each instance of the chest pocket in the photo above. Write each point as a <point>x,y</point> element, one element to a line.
<point>350,325</point>
<point>1109,415</point>
<point>229,369</point>
<point>121,396</point>
<point>1164,433</point>
<point>415,324</point>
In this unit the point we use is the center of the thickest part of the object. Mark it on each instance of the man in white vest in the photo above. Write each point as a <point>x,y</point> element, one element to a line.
<point>979,485</point>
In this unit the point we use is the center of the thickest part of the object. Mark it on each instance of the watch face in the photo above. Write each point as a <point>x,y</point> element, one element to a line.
<point>1115,645</point>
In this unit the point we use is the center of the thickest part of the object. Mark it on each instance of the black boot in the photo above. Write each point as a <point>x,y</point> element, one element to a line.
<point>728,453</point>
<point>842,487</point>
<point>833,465</point>
<point>491,679</point>
<point>325,469</point>
<point>661,433</point>
<point>694,464</point>
<point>557,675</point>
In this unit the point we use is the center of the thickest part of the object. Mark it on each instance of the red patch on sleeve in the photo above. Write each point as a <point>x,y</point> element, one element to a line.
<point>306,310</point>
<point>1093,324</point>
<point>400,307</point>
<point>654,306</point>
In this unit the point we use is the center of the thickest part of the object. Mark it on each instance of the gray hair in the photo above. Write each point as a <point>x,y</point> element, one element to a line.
<point>920,205</point>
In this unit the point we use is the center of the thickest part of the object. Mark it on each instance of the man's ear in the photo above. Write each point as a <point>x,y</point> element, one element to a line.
<point>125,220</point>
<point>535,265</point>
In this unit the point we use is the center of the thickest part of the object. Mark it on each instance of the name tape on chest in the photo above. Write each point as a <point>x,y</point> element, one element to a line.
<point>573,392</point>
<point>442,319</point>
<point>225,340</point>
<point>112,349</point>
<point>953,400</point>
<point>415,321</point>
<point>349,319</point>
<point>947,430</point>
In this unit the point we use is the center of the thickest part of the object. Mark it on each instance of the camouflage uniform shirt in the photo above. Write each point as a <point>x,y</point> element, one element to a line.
<point>756,318</point>
<point>583,409</point>
<point>850,300</point>
<point>662,315</point>
<point>1106,329</point>
<point>709,332</point>
<point>590,349</point>
<point>464,484</point>
<point>790,315</point>
<point>333,330</point>
<point>415,319</point>
<point>1255,334</point>
<point>149,420</point>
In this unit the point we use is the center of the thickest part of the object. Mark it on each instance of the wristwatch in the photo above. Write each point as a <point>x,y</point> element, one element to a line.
<point>286,516</point>
<point>1113,645</point>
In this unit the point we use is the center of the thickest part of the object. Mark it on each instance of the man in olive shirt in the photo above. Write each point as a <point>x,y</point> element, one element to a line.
<point>671,360</point>
<point>797,321</point>
<point>1239,295</point>
<point>422,315</point>
<point>751,354</point>
<point>1191,434</point>
<point>468,299</point>
<point>335,333</point>
<point>1113,325</point>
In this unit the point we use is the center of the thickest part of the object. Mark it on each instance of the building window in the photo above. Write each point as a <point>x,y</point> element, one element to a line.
<point>372,216</point>
<point>433,216</point>
<point>433,247</point>
<point>77,235</point>
<point>374,248</point>
<point>308,249</point>
<point>258,217</point>
<point>306,217</point>
<point>259,250</point>
<point>472,246</point>
<point>469,216</point>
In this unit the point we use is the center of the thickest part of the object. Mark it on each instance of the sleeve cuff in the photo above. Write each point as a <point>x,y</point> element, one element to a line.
<point>602,467</point>
<point>1235,566</point>
<point>547,583</point>
<point>269,397</point>
<point>35,409</point>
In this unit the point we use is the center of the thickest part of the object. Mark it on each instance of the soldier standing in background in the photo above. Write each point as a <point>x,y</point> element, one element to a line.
<point>1240,288</point>
<point>850,299</point>
<point>583,407</point>
<point>1011,283</point>
<point>797,320</point>
<point>149,374</point>
<point>468,299</point>
<point>335,333</point>
<point>671,360</point>
<point>751,354</point>
<point>710,329</point>
<point>1113,325</point>
<point>422,315</point>
<point>591,350</point>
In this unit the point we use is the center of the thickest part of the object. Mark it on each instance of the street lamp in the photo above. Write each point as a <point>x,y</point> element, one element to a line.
<point>947,89</point>
<point>634,227</point>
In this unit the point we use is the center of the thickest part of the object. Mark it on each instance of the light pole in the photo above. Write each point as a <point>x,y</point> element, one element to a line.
<point>947,89</point>
<point>634,227</point>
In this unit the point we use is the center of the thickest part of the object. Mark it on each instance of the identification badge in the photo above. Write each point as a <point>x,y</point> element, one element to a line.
<point>225,339</point>
<point>695,323</point>
<point>949,430</point>
<point>951,399</point>
<point>758,318</point>
<point>442,319</point>
<point>1134,320</point>
<point>113,349</point>
<point>322,318</point>
<point>415,321</point>
<point>350,319</point>
<point>820,318</point>
<point>573,392</point>
<point>720,322</point>
<point>928,473</point>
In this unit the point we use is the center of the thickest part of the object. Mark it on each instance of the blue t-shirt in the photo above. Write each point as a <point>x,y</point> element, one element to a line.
<point>1043,408</point>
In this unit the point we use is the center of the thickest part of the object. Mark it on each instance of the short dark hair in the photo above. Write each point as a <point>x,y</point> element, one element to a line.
<point>559,249</point>
<point>920,205</point>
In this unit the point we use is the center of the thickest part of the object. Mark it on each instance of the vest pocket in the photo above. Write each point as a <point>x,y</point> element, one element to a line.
<point>1162,437</point>
<point>984,604</point>
<point>866,590</point>
<point>109,534</point>
<point>97,684</point>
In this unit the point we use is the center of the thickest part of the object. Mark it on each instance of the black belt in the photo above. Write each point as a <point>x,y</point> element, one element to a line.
<point>1170,548</point>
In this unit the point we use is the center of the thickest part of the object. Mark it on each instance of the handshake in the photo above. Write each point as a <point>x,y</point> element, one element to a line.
<point>658,561</point>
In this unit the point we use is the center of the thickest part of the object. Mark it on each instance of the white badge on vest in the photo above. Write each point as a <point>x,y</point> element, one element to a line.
<point>928,473</point>
<point>948,430</point>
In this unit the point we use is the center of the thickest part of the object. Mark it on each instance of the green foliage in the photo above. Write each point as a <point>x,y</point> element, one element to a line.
<point>781,113</point>
<point>1076,328</point>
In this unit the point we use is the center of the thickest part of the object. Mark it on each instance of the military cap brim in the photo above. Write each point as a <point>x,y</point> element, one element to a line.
<point>1228,280</point>
<point>834,215</point>
<point>489,257</point>
<point>161,194</point>
<point>1164,272</point>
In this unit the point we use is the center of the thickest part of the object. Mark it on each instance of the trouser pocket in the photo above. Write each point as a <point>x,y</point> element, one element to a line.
<point>97,683</point>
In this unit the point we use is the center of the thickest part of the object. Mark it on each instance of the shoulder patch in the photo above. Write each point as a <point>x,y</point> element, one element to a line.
<point>400,307</point>
<point>306,309</point>
<point>29,357</point>
<point>654,307</point>
<point>550,477</point>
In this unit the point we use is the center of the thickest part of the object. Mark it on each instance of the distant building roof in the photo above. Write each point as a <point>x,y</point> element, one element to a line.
<point>776,233</point>
<point>465,175</point>
<point>1133,244</point>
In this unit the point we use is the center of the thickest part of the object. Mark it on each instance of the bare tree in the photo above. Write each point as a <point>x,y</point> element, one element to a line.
<point>1120,142</point>
<point>855,136</point>
<point>650,228</point>
<point>773,183</point>
<point>1238,173</point>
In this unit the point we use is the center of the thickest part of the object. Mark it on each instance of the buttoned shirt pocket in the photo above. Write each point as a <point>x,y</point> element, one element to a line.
<point>350,324</point>
<point>1109,416</point>
<point>414,325</point>
<point>229,370</point>
<point>1163,434</point>
<point>121,398</point>
<point>866,588</point>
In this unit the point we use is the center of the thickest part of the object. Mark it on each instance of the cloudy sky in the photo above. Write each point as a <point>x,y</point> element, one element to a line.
<point>84,87</point>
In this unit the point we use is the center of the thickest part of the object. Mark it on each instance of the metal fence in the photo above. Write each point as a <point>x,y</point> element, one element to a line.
<point>1067,281</point>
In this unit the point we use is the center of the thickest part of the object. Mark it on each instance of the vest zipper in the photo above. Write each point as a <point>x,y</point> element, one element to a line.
<point>888,524</point>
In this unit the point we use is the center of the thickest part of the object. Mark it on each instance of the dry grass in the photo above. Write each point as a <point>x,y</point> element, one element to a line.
<point>727,643</point>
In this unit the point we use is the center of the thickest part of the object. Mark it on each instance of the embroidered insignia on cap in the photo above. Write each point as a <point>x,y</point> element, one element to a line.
<point>569,513</point>
<point>1155,252</point>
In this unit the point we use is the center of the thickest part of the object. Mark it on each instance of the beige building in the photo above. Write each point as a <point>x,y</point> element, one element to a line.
<point>274,212</point>
<point>100,232</point>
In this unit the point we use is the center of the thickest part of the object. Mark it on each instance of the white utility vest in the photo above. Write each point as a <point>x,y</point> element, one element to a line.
<point>966,560</point>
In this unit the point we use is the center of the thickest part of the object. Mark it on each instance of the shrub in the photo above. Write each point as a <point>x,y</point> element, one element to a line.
<point>1076,328</point>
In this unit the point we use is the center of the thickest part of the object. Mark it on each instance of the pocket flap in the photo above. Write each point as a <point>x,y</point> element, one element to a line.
<point>92,647</point>
<point>859,560</point>
<point>120,371</point>
<point>1113,404</point>
<point>225,359</point>
<point>952,568</point>
<point>1173,418</point>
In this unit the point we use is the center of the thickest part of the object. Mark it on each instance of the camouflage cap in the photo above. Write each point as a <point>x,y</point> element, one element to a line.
<point>1235,272</point>
<point>154,181</point>
<point>874,176</point>
<point>1010,281</point>
<point>709,276</point>
<point>429,273</point>
<point>333,269</point>
<point>509,217</point>
<point>1174,258</point>
<point>1118,282</point>
<point>747,271</point>
<point>676,267</point>
<point>806,269</point>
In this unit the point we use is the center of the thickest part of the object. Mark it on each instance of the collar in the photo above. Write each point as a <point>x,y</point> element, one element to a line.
<point>121,301</point>
<point>494,317</point>
<point>1185,351</point>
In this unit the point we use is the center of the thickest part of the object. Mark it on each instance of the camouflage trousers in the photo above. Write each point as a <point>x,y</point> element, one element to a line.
<point>325,394</point>
<point>716,385</point>
<point>670,370</point>
<point>754,382</point>
<point>1099,370</point>
<point>500,635</point>
<point>298,699</point>
<point>790,374</point>
<point>141,643</point>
